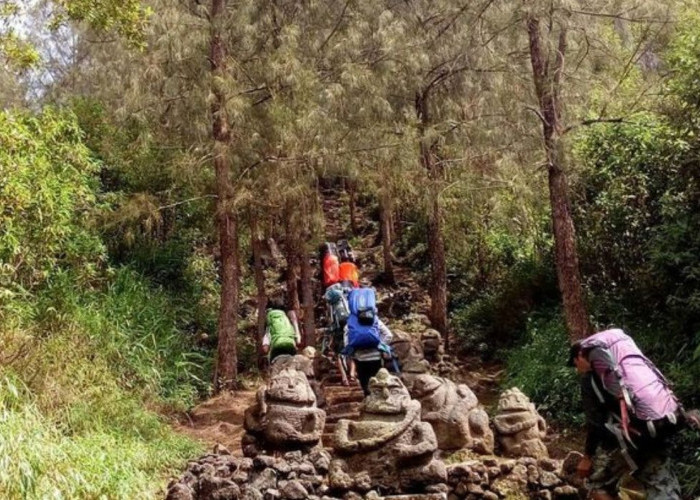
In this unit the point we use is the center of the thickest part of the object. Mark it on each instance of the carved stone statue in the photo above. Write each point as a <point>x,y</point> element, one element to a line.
<point>519,428</point>
<point>285,416</point>
<point>406,346</point>
<point>389,447</point>
<point>433,348</point>
<point>454,412</point>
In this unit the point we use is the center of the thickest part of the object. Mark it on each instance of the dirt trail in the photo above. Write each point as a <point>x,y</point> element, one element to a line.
<point>219,420</point>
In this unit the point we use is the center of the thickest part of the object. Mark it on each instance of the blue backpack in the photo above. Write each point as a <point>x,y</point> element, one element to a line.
<point>362,336</point>
<point>363,323</point>
<point>363,304</point>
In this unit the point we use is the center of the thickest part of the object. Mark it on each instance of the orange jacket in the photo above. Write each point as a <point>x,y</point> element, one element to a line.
<point>330,270</point>
<point>348,272</point>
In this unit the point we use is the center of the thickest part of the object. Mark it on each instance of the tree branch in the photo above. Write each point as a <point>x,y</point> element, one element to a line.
<point>593,122</point>
<point>189,200</point>
<point>335,28</point>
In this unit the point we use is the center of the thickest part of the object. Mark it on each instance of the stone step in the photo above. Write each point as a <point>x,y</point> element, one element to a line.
<point>327,439</point>
<point>333,418</point>
<point>344,395</point>
<point>345,407</point>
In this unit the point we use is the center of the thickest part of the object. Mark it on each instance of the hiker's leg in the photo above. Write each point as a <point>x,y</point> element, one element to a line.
<point>657,476</point>
<point>609,467</point>
<point>341,370</point>
<point>353,368</point>
<point>365,371</point>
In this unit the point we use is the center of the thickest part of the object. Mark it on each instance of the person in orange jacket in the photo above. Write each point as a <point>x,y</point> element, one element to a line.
<point>348,274</point>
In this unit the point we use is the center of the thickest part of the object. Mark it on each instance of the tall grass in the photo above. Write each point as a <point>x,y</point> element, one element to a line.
<point>74,421</point>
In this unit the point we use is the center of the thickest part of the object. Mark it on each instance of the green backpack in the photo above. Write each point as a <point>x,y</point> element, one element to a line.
<point>282,334</point>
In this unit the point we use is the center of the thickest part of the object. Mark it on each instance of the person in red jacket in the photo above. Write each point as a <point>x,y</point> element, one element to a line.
<point>330,265</point>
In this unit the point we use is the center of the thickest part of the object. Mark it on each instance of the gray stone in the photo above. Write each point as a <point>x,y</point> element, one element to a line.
<point>272,494</point>
<point>250,493</point>
<point>263,461</point>
<point>321,460</point>
<point>565,491</point>
<point>453,411</point>
<point>244,464</point>
<point>179,491</point>
<point>549,479</point>
<point>282,467</point>
<point>294,490</point>
<point>293,456</point>
<point>312,479</point>
<point>231,492</point>
<point>240,477</point>
<point>304,468</point>
<point>265,480</point>
<point>548,464</point>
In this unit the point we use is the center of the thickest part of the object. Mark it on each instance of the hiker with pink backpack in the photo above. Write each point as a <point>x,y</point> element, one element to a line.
<point>631,412</point>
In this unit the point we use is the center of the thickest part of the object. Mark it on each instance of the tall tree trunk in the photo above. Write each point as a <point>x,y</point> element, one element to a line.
<point>292,255</point>
<point>226,358</point>
<point>436,241</point>
<point>256,243</point>
<point>396,224</point>
<point>307,293</point>
<point>352,192</point>
<point>547,78</point>
<point>385,222</point>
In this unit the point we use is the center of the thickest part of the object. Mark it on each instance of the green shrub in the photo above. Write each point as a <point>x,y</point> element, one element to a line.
<point>39,460</point>
<point>47,195</point>
<point>73,418</point>
<point>538,368</point>
<point>496,318</point>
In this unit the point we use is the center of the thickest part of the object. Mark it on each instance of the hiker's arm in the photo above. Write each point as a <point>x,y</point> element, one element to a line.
<point>295,323</point>
<point>603,364</point>
<point>385,334</point>
<point>596,416</point>
<point>266,341</point>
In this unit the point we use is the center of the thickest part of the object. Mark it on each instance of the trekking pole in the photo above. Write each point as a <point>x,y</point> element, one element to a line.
<point>395,362</point>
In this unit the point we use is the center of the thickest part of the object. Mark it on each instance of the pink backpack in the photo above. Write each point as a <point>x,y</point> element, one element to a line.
<point>644,388</point>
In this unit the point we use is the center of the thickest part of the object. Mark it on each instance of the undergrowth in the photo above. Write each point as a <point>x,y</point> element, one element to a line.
<point>79,371</point>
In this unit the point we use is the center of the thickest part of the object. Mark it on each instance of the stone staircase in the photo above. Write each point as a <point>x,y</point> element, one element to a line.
<point>341,402</point>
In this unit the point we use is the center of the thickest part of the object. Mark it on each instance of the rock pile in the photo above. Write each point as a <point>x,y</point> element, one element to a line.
<point>221,476</point>
<point>521,478</point>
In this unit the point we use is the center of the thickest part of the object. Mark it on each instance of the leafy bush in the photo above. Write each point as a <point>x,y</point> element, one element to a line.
<point>538,368</point>
<point>47,195</point>
<point>497,317</point>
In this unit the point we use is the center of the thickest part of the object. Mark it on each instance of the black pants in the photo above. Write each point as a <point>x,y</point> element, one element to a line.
<point>291,351</point>
<point>365,371</point>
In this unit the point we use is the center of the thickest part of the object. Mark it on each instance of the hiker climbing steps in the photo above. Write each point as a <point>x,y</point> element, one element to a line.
<point>314,434</point>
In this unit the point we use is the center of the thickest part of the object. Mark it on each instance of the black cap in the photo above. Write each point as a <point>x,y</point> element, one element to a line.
<point>573,353</point>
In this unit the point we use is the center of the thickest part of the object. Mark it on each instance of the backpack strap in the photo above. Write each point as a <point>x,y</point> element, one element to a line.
<point>597,391</point>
